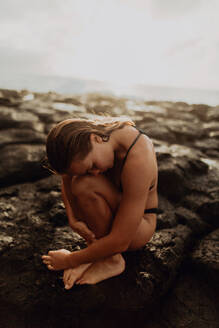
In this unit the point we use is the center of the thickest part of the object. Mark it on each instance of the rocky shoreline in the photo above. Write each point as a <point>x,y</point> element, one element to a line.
<point>172,282</point>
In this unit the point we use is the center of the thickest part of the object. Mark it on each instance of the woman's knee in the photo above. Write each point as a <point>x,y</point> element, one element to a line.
<point>87,186</point>
<point>82,185</point>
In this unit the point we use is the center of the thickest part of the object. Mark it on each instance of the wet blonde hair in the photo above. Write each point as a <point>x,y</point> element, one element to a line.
<point>70,140</point>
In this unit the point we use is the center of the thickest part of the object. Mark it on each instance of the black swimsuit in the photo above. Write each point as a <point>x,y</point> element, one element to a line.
<point>149,210</point>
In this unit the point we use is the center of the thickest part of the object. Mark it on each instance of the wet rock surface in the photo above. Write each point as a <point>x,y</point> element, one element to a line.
<point>172,281</point>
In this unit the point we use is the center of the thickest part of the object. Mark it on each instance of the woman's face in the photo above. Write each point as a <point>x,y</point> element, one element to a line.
<point>99,160</point>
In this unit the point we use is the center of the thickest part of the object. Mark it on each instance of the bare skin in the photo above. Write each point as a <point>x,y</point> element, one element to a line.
<point>99,271</point>
<point>72,276</point>
<point>92,273</point>
<point>95,197</point>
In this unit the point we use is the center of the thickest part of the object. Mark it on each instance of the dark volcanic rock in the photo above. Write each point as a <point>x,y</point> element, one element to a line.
<point>21,163</point>
<point>10,97</point>
<point>21,136</point>
<point>187,217</point>
<point>45,112</point>
<point>12,118</point>
<point>166,217</point>
<point>210,211</point>
<point>176,273</point>
<point>175,173</point>
<point>191,304</point>
<point>184,131</point>
<point>159,132</point>
<point>205,257</point>
<point>29,229</point>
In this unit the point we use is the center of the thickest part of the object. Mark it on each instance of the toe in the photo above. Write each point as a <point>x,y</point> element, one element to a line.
<point>71,281</point>
<point>65,274</point>
<point>68,285</point>
<point>46,261</point>
<point>45,257</point>
<point>80,281</point>
<point>66,278</point>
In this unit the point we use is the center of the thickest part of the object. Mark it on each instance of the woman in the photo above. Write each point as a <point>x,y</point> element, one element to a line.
<point>109,187</point>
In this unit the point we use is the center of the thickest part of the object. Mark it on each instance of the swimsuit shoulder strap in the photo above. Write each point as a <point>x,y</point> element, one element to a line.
<point>143,132</point>
<point>123,163</point>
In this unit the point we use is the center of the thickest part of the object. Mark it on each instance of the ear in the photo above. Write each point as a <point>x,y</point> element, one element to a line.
<point>95,138</point>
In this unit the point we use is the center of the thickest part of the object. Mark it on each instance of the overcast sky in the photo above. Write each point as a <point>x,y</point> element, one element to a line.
<point>156,42</point>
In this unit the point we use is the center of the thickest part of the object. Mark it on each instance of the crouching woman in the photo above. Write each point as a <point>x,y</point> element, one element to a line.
<point>109,187</point>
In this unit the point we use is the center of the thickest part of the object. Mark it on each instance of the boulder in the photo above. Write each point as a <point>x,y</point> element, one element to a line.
<point>205,257</point>
<point>21,136</point>
<point>12,118</point>
<point>192,220</point>
<point>190,304</point>
<point>21,163</point>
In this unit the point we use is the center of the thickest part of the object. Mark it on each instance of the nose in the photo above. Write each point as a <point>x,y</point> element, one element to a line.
<point>95,172</point>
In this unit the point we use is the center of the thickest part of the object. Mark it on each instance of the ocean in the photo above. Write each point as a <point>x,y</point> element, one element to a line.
<point>71,86</point>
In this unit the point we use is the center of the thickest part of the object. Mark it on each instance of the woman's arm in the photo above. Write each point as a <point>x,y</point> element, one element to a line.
<point>124,228</point>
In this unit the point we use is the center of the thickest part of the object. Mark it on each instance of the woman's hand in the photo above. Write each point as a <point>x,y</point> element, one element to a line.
<point>82,229</point>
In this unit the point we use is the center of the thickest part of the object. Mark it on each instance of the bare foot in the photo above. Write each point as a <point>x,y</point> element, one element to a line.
<point>71,275</point>
<point>102,270</point>
<point>56,260</point>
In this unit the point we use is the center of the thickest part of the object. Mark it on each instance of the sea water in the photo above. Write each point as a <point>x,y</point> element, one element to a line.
<point>71,86</point>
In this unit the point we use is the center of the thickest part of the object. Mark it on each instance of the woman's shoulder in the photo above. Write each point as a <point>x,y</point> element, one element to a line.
<point>140,164</point>
<point>127,136</point>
